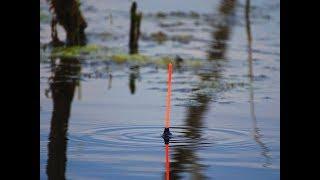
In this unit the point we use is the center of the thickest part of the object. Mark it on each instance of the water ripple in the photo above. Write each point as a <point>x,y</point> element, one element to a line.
<point>150,136</point>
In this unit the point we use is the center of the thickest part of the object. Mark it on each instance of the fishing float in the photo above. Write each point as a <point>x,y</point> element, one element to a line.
<point>166,133</point>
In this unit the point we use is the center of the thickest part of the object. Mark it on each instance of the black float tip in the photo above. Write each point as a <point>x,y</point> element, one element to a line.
<point>166,135</point>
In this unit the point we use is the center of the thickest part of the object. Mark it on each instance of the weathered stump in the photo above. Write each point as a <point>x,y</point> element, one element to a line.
<point>69,16</point>
<point>55,41</point>
<point>134,29</point>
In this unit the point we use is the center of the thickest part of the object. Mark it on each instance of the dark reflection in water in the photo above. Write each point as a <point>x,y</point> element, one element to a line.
<point>62,86</point>
<point>110,81</point>
<point>185,158</point>
<point>167,158</point>
<point>65,73</point>
<point>222,34</point>
<point>257,135</point>
<point>133,76</point>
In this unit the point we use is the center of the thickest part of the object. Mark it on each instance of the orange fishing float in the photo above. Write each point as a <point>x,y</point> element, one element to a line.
<point>168,104</point>
<point>166,133</point>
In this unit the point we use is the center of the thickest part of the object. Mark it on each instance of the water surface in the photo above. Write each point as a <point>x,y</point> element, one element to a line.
<point>108,118</point>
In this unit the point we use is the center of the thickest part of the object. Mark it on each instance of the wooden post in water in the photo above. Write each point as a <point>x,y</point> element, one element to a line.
<point>134,28</point>
<point>68,14</point>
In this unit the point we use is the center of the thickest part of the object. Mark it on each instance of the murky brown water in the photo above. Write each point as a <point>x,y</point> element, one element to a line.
<point>108,117</point>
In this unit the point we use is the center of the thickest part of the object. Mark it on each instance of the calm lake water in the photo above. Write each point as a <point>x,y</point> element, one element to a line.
<point>108,117</point>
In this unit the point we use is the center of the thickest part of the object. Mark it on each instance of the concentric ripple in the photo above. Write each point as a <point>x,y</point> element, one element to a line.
<point>150,136</point>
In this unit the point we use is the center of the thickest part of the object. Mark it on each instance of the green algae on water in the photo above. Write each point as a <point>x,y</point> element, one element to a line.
<point>74,51</point>
<point>122,58</point>
<point>93,51</point>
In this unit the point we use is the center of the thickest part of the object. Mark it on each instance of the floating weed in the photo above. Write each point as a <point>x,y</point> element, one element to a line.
<point>177,14</point>
<point>136,58</point>
<point>119,58</point>
<point>195,63</point>
<point>194,14</point>
<point>161,15</point>
<point>96,52</point>
<point>74,51</point>
<point>168,25</point>
<point>159,37</point>
<point>187,63</point>
<point>163,61</point>
<point>182,38</point>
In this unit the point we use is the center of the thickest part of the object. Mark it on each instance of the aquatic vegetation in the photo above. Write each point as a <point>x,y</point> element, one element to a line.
<point>190,63</point>
<point>161,15</point>
<point>159,61</point>
<point>182,38</point>
<point>74,51</point>
<point>194,14</point>
<point>195,63</point>
<point>159,37</point>
<point>101,35</point>
<point>93,51</point>
<point>178,14</point>
<point>163,61</point>
<point>190,14</point>
<point>167,25</point>
<point>122,58</point>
